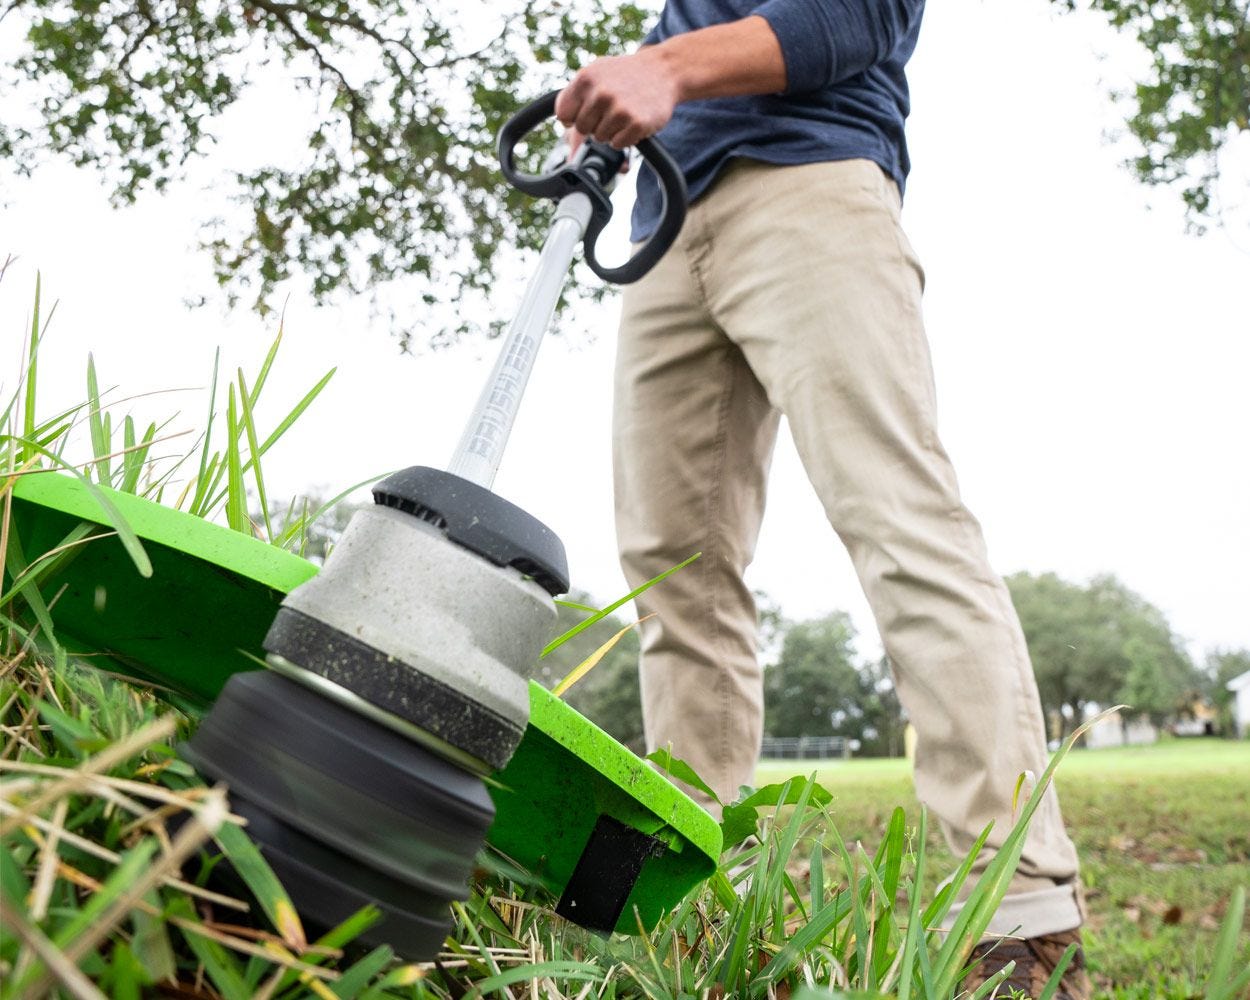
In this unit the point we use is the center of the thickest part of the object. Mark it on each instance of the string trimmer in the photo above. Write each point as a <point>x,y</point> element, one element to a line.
<point>397,676</point>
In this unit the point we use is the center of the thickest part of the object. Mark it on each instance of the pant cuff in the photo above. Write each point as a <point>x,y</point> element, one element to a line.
<point>1032,914</point>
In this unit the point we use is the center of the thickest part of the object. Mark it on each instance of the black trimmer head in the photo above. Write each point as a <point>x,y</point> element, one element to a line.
<point>349,811</point>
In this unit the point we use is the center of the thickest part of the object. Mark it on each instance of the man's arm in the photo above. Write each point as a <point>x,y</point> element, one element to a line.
<point>623,99</point>
<point>787,45</point>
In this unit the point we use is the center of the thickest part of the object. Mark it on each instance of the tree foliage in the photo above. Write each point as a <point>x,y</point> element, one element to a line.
<point>395,177</point>
<point>818,687</point>
<point>1100,643</point>
<point>1194,99</point>
<point>813,688</point>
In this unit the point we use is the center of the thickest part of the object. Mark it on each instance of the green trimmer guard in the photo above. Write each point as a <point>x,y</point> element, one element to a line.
<point>601,829</point>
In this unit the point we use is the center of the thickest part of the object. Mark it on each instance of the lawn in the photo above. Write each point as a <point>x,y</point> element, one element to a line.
<point>1164,836</point>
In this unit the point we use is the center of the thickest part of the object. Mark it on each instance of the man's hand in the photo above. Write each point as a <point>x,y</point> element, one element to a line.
<point>620,100</point>
<point>623,99</point>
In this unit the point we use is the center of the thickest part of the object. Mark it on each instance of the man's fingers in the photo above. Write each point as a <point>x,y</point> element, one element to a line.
<point>613,124</point>
<point>590,116</point>
<point>569,100</point>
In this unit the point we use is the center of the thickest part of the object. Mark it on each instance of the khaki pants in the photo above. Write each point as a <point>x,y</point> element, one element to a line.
<point>792,290</point>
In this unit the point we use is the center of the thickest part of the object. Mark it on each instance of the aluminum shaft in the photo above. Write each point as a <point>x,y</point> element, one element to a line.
<point>481,446</point>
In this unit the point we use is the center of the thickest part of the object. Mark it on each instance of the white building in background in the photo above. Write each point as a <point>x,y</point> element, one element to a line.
<point>1118,730</point>
<point>1240,686</point>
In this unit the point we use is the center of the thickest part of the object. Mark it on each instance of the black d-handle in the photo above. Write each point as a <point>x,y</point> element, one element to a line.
<point>565,180</point>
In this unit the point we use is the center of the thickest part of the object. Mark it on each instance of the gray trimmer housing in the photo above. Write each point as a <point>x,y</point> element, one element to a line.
<point>434,607</point>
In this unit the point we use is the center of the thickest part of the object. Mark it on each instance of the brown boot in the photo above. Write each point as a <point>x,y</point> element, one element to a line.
<point>1035,960</point>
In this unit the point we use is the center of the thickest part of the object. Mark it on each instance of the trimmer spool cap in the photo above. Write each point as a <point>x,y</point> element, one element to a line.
<point>481,521</point>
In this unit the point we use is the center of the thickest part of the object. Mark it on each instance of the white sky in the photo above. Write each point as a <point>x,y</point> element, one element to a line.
<point>1091,359</point>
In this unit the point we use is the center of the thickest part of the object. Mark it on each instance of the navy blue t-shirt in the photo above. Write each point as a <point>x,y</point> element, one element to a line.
<point>845,98</point>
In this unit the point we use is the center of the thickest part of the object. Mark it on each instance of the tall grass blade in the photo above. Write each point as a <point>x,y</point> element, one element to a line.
<point>296,411</point>
<point>249,427</point>
<point>100,445</point>
<point>247,861</point>
<point>1056,977</point>
<point>263,375</point>
<point>1221,984</point>
<point>14,562</point>
<point>565,970</point>
<point>978,910</point>
<point>588,664</point>
<point>236,496</point>
<point>269,442</point>
<point>204,476</point>
<point>130,541</point>
<point>32,374</point>
<point>598,616</point>
<point>912,940</point>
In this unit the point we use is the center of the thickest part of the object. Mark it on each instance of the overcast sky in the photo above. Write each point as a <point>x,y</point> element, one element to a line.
<point>1091,358</point>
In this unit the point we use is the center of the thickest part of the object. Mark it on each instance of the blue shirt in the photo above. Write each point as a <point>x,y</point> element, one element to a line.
<point>845,97</point>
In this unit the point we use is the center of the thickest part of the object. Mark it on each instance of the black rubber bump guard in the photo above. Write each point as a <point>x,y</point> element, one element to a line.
<point>480,521</point>
<point>345,810</point>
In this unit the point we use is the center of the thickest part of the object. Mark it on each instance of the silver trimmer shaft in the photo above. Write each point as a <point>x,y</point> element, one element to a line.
<point>481,446</point>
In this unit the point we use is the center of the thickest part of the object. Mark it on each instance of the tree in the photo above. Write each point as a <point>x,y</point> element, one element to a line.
<point>396,177</point>
<point>814,687</point>
<point>1099,643</point>
<point>1194,100</point>
<point>884,722</point>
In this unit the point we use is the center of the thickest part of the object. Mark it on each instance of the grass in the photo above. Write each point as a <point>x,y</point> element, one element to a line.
<point>1163,833</point>
<point>107,838</point>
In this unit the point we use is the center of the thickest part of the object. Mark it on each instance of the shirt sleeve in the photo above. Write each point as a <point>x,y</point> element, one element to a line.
<point>826,41</point>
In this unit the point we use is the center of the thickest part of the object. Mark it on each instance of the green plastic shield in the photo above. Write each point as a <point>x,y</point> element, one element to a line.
<point>570,806</point>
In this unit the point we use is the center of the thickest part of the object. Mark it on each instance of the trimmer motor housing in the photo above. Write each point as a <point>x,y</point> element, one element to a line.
<point>399,679</point>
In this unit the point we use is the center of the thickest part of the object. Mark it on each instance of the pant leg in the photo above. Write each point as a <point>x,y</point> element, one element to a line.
<point>812,277</point>
<point>693,438</point>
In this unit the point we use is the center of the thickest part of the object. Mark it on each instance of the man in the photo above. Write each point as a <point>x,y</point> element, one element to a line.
<point>792,290</point>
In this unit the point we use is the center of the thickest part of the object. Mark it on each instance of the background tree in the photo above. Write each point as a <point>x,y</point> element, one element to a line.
<point>814,687</point>
<point>396,175</point>
<point>884,722</point>
<point>1193,102</point>
<point>1099,643</point>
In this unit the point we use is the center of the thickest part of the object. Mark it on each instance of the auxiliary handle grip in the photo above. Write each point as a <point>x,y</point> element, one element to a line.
<point>570,178</point>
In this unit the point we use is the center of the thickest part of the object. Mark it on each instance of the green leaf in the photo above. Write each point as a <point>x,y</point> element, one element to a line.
<point>739,819</point>
<point>680,770</point>
<point>296,411</point>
